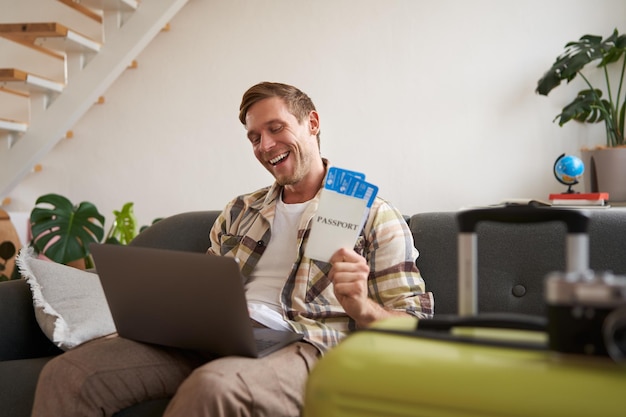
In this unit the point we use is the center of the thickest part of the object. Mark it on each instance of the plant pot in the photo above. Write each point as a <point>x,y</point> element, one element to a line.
<point>78,264</point>
<point>605,171</point>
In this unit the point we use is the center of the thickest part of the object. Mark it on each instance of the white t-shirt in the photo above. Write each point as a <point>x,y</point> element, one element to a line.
<point>270,273</point>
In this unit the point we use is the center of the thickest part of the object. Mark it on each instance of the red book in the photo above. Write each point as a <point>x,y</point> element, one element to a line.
<point>580,196</point>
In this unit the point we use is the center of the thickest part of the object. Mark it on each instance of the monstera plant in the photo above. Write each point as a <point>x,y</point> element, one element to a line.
<point>602,100</point>
<point>63,231</point>
<point>592,104</point>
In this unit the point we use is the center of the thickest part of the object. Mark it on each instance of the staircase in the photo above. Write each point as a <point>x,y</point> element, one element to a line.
<point>71,72</point>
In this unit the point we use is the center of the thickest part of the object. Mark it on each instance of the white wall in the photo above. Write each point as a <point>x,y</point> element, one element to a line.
<point>433,100</point>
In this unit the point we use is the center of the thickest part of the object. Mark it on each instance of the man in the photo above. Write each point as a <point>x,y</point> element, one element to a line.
<point>267,230</point>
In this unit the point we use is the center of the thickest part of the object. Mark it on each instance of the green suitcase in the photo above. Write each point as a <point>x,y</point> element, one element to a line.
<point>386,372</point>
<point>472,364</point>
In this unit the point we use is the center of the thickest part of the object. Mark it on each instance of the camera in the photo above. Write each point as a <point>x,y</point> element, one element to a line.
<point>586,313</point>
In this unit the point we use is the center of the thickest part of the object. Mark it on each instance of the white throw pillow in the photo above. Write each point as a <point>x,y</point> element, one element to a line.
<point>70,305</point>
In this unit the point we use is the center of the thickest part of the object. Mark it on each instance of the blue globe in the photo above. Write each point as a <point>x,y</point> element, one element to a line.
<point>568,169</point>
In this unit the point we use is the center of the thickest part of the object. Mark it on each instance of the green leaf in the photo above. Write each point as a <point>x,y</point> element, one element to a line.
<point>124,228</point>
<point>577,55</point>
<point>62,231</point>
<point>566,67</point>
<point>615,47</point>
<point>586,107</point>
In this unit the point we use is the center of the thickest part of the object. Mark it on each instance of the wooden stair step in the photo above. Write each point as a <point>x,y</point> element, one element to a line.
<point>13,125</point>
<point>123,5</point>
<point>51,35</point>
<point>7,90</point>
<point>90,13</point>
<point>31,82</point>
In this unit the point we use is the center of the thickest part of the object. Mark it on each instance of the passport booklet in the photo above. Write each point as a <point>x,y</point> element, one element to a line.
<point>343,208</point>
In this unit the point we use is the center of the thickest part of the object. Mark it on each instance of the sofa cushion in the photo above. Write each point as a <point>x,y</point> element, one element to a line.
<point>70,305</point>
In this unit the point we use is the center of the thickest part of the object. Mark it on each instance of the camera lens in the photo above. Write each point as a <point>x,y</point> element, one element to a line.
<point>614,331</point>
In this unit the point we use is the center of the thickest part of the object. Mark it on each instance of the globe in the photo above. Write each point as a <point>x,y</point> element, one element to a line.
<point>568,169</point>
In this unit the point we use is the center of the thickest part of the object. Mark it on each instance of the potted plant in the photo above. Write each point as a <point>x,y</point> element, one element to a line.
<point>63,231</point>
<point>595,105</point>
<point>124,228</point>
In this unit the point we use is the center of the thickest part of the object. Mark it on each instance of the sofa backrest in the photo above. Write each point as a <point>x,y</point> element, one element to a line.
<point>513,259</point>
<point>187,231</point>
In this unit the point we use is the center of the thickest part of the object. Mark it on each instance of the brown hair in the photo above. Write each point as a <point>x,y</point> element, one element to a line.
<point>298,103</point>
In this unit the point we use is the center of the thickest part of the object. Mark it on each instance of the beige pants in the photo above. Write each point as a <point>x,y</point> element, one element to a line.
<point>108,375</point>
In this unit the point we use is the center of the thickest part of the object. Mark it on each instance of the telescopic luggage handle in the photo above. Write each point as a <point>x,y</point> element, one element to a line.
<point>577,221</point>
<point>576,245</point>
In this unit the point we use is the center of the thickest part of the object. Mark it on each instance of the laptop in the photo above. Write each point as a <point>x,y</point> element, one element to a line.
<point>181,299</point>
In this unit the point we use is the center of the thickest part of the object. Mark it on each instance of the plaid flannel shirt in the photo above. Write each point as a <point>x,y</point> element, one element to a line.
<point>307,298</point>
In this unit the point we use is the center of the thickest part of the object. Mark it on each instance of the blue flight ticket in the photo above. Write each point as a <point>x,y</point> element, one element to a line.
<point>350,183</point>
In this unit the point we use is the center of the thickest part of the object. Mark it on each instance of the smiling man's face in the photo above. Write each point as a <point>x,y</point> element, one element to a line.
<point>285,147</point>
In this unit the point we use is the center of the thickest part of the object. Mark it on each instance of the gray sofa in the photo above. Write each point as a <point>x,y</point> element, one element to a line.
<point>512,262</point>
<point>24,349</point>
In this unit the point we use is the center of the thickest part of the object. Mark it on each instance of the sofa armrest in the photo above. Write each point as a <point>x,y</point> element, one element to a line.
<point>21,337</point>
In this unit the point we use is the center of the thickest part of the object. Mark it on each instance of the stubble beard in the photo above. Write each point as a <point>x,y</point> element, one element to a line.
<point>300,171</point>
